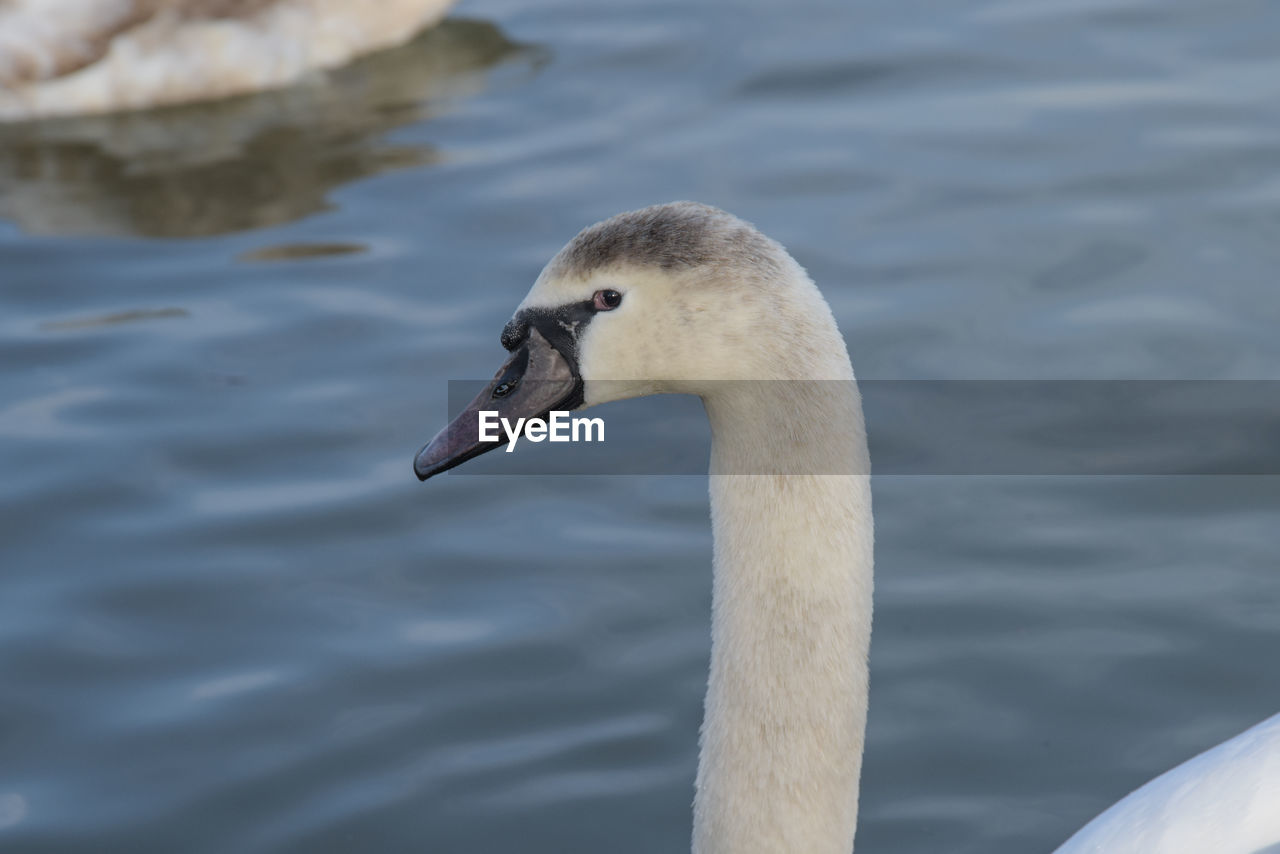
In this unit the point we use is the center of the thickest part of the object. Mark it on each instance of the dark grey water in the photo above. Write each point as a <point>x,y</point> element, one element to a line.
<point>231,620</point>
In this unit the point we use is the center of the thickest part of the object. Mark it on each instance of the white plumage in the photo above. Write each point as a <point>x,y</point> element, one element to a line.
<point>1224,801</point>
<point>65,57</point>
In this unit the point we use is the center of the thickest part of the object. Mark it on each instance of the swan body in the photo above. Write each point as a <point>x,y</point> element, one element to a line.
<point>65,57</point>
<point>1225,800</point>
<point>684,298</point>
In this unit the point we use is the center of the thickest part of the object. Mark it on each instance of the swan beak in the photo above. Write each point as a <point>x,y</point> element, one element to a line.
<point>535,380</point>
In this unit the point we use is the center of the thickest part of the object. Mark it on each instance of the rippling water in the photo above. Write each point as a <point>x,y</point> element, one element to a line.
<point>231,620</point>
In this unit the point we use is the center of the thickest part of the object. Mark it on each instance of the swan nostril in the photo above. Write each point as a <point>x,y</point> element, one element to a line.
<point>514,333</point>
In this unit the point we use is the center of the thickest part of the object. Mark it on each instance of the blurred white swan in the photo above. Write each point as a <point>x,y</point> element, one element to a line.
<point>252,161</point>
<point>67,57</point>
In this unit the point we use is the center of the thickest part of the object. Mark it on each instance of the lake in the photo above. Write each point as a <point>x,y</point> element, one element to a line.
<point>231,619</point>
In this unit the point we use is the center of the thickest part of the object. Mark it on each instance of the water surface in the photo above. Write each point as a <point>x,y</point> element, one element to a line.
<point>231,620</point>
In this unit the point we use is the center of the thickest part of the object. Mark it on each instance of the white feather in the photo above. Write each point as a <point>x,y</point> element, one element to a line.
<point>1226,800</point>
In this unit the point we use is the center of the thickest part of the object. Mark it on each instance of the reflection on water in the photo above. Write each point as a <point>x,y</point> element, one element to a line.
<point>114,319</point>
<point>295,251</point>
<point>246,162</point>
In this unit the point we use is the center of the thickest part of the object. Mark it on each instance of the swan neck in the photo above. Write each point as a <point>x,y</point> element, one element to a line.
<point>782,739</point>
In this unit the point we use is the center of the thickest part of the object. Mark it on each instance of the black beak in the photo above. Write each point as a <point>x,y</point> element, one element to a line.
<point>535,380</point>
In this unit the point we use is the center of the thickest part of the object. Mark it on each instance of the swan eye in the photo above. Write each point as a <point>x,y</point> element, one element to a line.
<point>606,300</point>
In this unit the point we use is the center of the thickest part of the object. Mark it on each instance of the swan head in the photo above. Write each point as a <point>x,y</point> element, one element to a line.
<point>674,298</point>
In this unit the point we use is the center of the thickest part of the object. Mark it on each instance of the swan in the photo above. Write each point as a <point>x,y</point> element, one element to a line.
<point>686,298</point>
<point>66,57</point>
